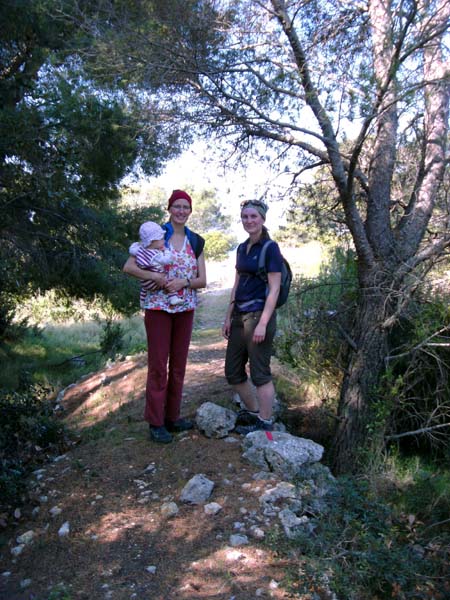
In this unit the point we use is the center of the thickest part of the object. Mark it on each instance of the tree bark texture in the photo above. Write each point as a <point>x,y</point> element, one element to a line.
<point>360,387</point>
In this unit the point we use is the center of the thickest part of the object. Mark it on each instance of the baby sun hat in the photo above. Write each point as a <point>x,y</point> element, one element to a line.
<point>149,232</point>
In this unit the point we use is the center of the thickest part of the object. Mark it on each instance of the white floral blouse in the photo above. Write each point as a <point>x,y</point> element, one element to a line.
<point>183,264</point>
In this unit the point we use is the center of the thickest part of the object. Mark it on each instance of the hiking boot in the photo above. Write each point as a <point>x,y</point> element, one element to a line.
<point>260,425</point>
<point>245,417</point>
<point>160,435</point>
<point>179,425</point>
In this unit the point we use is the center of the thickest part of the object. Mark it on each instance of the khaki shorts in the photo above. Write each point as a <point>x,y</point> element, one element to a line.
<point>242,350</point>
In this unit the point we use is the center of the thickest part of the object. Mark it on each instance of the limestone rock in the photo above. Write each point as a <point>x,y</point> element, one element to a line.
<point>212,508</point>
<point>64,530</point>
<point>197,490</point>
<point>169,509</point>
<point>238,540</point>
<point>280,452</point>
<point>215,421</point>
<point>26,537</point>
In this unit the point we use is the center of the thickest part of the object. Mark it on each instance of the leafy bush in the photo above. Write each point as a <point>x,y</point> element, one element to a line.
<point>218,245</point>
<point>112,338</point>
<point>59,593</point>
<point>6,315</point>
<point>423,492</point>
<point>416,382</point>
<point>56,306</point>
<point>312,329</point>
<point>413,399</point>
<point>366,549</point>
<point>29,432</point>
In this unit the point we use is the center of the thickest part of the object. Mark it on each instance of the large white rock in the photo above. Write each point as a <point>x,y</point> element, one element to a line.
<point>280,452</point>
<point>281,490</point>
<point>214,420</point>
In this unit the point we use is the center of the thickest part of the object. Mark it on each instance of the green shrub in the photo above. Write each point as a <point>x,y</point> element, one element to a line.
<point>416,382</point>
<point>218,245</point>
<point>367,549</point>
<point>29,432</point>
<point>111,341</point>
<point>413,398</point>
<point>423,490</point>
<point>59,592</point>
<point>319,310</point>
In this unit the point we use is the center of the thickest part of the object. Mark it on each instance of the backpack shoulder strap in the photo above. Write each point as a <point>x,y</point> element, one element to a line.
<point>239,251</point>
<point>197,243</point>
<point>262,270</point>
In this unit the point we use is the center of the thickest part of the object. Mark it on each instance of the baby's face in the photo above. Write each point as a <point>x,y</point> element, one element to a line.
<point>157,245</point>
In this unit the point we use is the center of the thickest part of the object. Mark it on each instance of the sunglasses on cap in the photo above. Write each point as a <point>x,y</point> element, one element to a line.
<point>260,203</point>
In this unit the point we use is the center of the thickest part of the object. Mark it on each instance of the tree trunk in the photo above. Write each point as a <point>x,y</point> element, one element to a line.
<point>359,391</point>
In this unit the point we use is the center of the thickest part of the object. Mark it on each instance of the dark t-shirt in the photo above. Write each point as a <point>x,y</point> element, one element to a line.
<point>251,291</point>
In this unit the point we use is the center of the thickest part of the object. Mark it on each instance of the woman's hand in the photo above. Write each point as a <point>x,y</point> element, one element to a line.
<point>175,285</point>
<point>157,282</point>
<point>226,328</point>
<point>259,333</point>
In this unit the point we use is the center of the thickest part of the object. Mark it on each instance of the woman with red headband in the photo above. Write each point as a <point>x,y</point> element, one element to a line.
<point>168,326</point>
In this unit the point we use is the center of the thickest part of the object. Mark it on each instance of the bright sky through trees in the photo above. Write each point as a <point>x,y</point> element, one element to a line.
<point>193,168</point>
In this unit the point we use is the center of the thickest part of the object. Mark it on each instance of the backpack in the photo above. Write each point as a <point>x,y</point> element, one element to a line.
<point>286,273</point>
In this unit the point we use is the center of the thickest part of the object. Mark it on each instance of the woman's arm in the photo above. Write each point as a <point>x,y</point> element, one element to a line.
<point>226,326</point>
<point>274,281</point>
<point>131,268</point>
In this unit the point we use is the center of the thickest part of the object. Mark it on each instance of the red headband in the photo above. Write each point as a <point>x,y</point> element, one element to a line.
<point>177,194</point>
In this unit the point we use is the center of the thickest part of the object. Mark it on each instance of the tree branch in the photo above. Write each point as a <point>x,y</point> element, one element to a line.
<point>416,432</point>
<point>354,220</point>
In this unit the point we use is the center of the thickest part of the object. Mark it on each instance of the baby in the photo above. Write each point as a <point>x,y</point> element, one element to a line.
<point>151,255</point>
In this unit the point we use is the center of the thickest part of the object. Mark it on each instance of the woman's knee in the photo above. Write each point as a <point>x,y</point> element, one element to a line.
<point>260,379</point>
<point>260,371</point>
<point>233,380</point>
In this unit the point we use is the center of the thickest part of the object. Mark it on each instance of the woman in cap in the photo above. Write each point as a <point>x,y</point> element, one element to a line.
<point>250,322</point>
<point>168,326</point>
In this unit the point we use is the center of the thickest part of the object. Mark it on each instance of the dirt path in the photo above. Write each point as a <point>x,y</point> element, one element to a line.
<point>111,487</point>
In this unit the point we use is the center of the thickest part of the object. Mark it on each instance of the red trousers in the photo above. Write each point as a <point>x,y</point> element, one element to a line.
<point>168,339</point>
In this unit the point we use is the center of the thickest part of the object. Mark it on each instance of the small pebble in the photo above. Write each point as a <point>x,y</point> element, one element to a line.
<point>64,530</point>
